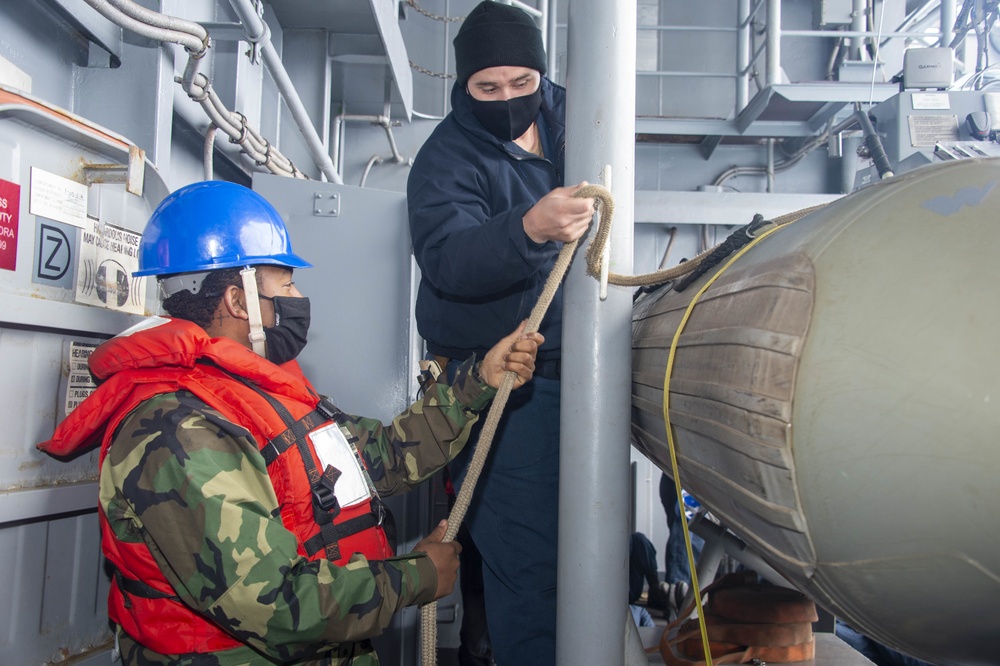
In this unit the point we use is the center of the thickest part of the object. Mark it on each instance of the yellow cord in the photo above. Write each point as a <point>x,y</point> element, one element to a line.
<point>670,435</point>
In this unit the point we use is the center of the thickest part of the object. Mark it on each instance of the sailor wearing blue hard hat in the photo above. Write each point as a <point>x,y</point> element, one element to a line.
<point>214,225</point>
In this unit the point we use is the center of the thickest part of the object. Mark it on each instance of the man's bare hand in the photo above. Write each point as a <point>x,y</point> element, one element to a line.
<point>516,353</point>
<point>444,555</point>
<point>559,216</point>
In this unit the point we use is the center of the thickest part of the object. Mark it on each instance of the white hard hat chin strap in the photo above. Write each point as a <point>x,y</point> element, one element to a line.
<point>257,336</point>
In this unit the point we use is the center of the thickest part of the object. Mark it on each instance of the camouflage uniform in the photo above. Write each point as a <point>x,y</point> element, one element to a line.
<point>195,488</point>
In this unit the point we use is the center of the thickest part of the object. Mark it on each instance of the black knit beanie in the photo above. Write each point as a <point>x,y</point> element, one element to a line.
<point>497,35</point>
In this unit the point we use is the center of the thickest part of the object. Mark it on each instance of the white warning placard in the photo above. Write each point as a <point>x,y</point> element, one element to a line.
<point>933,129</point>
<point>107,258</point>
<point>80,384</point>
<point>57,198</point>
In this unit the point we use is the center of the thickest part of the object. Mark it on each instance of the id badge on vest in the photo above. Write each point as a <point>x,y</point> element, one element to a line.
<point>332,448</point>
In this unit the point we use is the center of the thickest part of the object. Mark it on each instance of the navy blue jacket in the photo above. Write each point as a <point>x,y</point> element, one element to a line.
<point>467,192</point>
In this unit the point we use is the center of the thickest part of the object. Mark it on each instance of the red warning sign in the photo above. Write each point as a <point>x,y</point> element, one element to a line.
<point>10,204</point>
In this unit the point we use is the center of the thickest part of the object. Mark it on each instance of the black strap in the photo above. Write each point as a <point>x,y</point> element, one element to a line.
<point>734,242</point>
<point>287,439</point>
<point>325,411</point>
<point>350,527</point>
<point>136,588</point>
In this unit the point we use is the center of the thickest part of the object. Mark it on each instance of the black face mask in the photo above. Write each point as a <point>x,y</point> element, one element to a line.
<point>291,324</point>
<point>509,119</point>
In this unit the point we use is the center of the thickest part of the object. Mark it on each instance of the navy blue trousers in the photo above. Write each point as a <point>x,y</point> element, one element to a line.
<point>641,566</point>
<point>677,567</point>
<point>513,521</point>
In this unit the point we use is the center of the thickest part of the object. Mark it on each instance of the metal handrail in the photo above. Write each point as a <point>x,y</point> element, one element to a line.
<point>689,28</point>
<point>859,33</point>
<point>751,48</point>
<point>710,75</point>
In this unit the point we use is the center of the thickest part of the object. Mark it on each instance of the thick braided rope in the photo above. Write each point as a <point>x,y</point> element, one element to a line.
<point>788,218</point>
<point>428,613</point>
<point>596,247</point>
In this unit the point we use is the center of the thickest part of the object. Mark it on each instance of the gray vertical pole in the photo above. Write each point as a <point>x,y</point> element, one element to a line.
<point>596,371</point>
<point>859,23</point>
<point>743,53</point>
<point>947,22</point>
<point>772,75</point>
<point>551,44</point>
<point>543,7</point>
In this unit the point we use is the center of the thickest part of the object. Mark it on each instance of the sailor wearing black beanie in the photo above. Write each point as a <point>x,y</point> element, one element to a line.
<point>489,210</point>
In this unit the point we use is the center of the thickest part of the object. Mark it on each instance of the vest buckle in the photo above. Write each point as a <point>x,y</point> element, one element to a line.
<point>323,491</point>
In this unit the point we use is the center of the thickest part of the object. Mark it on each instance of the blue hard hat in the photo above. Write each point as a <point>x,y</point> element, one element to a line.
<point>211,225</point>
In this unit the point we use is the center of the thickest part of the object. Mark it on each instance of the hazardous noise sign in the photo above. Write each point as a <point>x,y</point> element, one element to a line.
<point>108,257</point>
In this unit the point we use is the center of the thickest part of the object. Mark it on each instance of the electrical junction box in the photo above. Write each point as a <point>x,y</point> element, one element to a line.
<point>920,127</point>
<point>930,68</point>
<point>828,13</point>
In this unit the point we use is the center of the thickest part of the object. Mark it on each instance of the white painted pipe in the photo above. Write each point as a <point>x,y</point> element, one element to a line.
<point>257,32</point>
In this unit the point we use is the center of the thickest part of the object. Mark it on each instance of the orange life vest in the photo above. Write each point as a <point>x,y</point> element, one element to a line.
<point>276,404</point>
